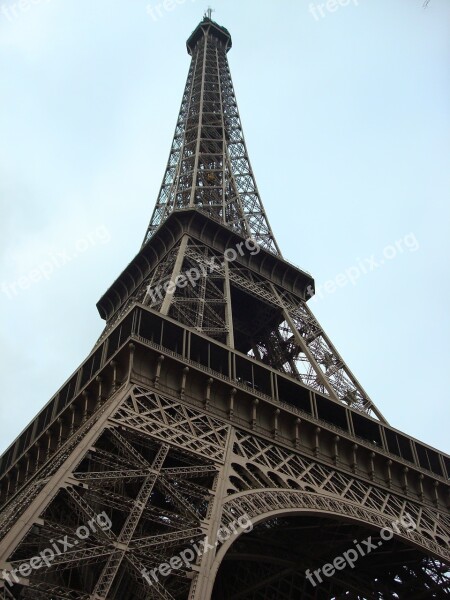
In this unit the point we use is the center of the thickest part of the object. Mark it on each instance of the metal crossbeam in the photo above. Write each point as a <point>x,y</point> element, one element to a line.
<point>114,562</point>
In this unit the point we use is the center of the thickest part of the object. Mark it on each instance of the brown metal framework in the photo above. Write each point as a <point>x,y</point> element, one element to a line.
<point>208,166</point>
<point>213,401</point>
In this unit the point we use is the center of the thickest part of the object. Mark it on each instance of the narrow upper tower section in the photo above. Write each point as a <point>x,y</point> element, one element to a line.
<point>208,167</point>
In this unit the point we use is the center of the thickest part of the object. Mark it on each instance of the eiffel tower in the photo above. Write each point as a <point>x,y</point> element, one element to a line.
<point>214,444</point>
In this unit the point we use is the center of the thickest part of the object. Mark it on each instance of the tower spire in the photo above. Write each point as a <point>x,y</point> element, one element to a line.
<point>208,167</point>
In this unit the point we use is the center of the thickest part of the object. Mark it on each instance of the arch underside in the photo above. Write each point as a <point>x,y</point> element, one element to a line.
<point>271,561</point>
<point>302,525</point>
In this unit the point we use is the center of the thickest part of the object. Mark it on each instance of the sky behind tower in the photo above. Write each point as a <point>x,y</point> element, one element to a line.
<point>345,109</point>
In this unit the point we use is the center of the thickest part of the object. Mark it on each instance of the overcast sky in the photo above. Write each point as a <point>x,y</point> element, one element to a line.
<point>346,116</point>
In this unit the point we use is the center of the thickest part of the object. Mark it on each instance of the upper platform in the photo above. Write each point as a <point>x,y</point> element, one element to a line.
<point>218,237</point>
<point>208,27</point>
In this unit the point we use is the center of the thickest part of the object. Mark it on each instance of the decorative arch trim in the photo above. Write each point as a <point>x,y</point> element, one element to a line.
<point>263,505</point>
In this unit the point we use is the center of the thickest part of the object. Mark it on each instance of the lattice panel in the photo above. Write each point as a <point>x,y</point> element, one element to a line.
<point>331,364</point>
<point>208,166</point>
<point>156,415</point>
<point>273,466</point>
<point>154,498</point>
<point>24,498</point>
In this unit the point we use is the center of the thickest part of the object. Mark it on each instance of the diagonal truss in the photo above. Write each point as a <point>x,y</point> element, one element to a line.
<point>153,489</point>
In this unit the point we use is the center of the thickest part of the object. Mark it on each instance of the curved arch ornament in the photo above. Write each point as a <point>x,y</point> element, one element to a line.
<point>273,503</point>
<point>265,504</point>
<point>266,481</point>
<point>325,487</point>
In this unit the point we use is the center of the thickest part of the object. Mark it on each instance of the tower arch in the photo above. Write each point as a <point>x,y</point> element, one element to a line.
<point>295,540</point>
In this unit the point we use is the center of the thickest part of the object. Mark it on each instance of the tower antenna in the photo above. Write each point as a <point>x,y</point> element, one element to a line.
<point>209,12</point>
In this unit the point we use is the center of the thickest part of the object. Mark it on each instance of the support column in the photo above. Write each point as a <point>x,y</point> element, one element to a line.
<point>203,581</point>
<point>175,273</point>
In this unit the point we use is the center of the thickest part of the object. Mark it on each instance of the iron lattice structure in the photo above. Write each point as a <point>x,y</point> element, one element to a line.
<point>214,402</point>
<point>208,166</point>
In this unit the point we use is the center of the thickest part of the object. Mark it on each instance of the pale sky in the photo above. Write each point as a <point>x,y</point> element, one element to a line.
<point>347,120</point>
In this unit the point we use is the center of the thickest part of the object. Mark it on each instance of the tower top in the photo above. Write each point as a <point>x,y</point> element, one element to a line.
<point>208,27</point>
